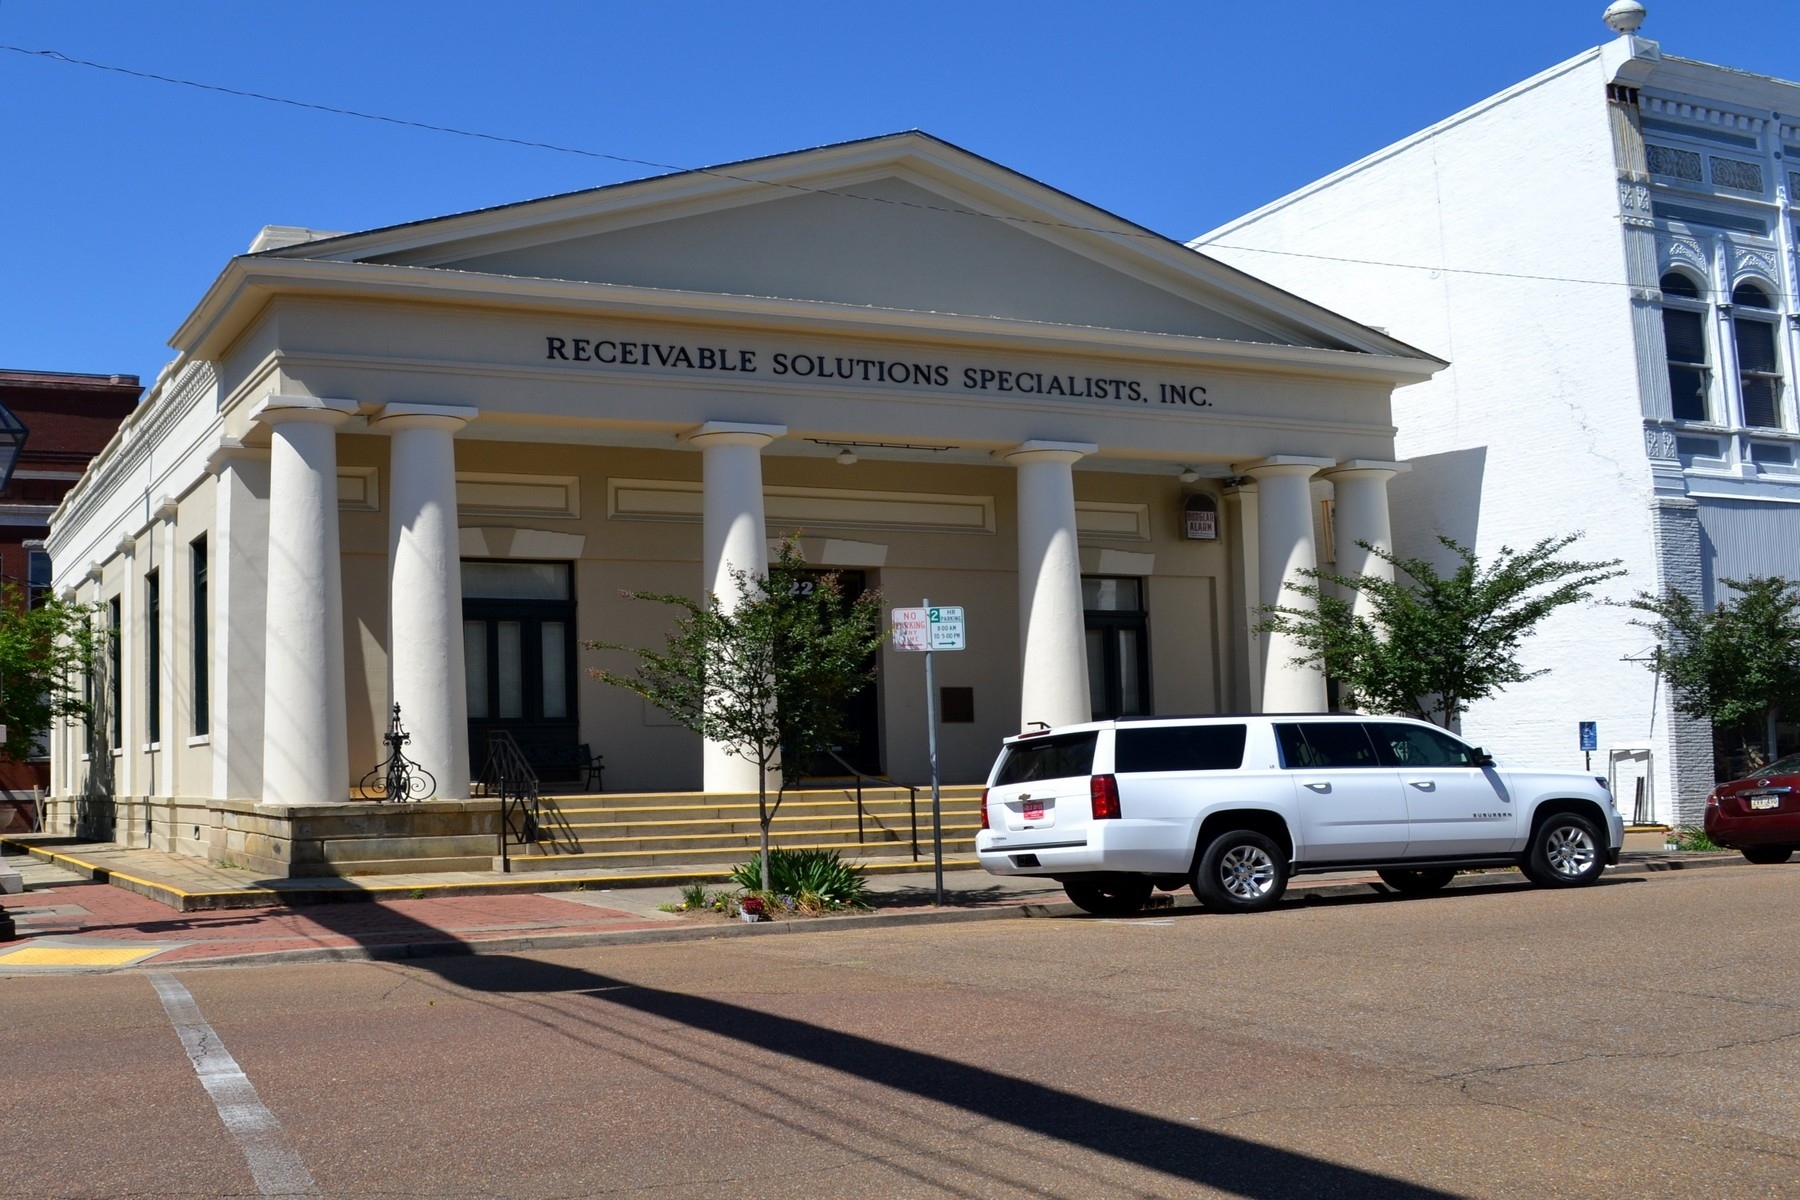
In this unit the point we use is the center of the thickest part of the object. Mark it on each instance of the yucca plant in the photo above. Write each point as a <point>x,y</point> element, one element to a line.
<point>820,873</point>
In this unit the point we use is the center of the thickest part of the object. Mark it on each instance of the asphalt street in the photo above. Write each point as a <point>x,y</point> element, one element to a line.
<point>1640,1037</point>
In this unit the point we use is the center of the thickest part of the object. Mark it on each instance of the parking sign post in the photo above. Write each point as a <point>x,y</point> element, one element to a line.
<point>927,629</point>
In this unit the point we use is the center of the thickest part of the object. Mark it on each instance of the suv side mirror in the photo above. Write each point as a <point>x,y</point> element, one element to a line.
<point>1482,757</point>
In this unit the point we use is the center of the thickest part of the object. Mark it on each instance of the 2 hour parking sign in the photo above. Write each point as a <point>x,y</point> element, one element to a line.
<point>939,627</point>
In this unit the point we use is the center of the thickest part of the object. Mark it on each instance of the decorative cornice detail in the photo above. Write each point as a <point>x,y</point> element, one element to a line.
<point>1746,260</point>
<point>1678,248</point>
<point>1700,114</point>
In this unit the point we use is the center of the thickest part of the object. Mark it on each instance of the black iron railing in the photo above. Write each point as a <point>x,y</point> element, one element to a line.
<point>912,799</point>
<point>508,776</point>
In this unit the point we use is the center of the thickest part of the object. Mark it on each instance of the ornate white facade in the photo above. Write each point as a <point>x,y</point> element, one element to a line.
<point>1606,253</point>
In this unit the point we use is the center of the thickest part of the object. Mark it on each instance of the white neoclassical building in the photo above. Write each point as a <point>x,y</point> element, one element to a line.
<point>418,465</point>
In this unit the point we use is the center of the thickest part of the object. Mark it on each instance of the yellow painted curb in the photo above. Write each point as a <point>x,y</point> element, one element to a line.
<point>77,956</point>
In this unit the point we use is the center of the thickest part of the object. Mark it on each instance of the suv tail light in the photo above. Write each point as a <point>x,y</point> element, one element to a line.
<point>1103,790</point>
<point>984,821</point>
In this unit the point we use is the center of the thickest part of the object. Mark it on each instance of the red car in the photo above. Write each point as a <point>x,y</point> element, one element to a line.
<point>1760,815</point>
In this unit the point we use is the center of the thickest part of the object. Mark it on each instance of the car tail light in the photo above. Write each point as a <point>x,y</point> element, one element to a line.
<point>1103,790</point>
<point>1712,801</point>
<point>984,793</point>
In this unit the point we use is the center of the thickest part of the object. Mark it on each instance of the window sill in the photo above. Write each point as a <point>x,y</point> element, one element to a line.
<point>204,739</point>
<point>152,747</point>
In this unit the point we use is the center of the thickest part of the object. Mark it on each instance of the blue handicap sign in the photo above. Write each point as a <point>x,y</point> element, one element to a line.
<point>1590,735</point>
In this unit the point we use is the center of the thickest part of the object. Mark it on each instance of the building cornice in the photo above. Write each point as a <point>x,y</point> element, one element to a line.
<point>249,285</point>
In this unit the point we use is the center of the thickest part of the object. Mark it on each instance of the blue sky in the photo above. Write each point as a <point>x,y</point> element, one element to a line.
<point>121,198</point>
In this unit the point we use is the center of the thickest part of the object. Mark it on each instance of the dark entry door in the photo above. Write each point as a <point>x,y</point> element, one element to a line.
<point>519,655</point>
<point>861,748</point>
<point>1118,646</point>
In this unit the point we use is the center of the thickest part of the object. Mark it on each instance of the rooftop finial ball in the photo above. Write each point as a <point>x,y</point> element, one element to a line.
<point>1624,16</point>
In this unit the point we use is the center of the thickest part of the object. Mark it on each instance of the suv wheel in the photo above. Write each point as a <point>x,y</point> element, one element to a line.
<point>1240,871</point>
<point>1565,852</point>
<point>1417,881</point>
<point>1767,855</point>
<point>1113,898</point>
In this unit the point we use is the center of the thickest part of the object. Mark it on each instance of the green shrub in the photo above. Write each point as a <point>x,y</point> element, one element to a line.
<point>694,896</point>
<point>812,873</point>
<point>1694,838</point>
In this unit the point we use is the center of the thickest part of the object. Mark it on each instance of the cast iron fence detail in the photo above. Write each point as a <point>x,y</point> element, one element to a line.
<point>398,778</point>
<point>509,776</point>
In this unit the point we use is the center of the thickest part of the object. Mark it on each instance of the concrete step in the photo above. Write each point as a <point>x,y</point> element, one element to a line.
<point>959,846</point>
<point>737,812</point>
<point>747,841</point>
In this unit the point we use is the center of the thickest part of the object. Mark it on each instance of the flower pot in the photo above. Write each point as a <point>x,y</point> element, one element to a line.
<point>750,917</point>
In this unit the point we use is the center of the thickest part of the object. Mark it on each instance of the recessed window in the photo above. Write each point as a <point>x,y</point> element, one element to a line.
<point>1771,454</point>
<point>153,657</point>
<point>1759,369</point>
<point>201,618</point>
<point>1684,333</point>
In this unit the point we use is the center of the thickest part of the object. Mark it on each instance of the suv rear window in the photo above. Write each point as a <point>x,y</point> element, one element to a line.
<point>1055,757</point>
<point>1179,748</point>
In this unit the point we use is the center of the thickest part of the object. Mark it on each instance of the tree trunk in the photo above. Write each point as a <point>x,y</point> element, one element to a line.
<point>1769,734</point>
<point>762,813</point>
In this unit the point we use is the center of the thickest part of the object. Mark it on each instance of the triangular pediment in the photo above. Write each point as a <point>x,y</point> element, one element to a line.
<point>905,222</point>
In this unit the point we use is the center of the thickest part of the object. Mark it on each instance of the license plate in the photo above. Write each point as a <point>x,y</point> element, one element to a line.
<point>1033,810</point>
<point>1765,802</point>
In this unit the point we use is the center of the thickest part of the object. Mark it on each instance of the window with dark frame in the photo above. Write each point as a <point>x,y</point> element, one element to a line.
<point>201,618</point>
<point>1759,371</point>
<point>1684,332</point>
<point>115,662</point>
<point>153,657</point>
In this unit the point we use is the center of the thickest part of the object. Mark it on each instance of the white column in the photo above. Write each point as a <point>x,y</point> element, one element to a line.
<point>1053,678</point>
<point>306,757</point>
<point>425,642</point>
<point>1360,508</point>
<point>735,539</point>
<point>1284,535</point>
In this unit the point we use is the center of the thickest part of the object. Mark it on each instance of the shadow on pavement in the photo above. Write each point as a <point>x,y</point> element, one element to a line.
<point>1216,1160</point>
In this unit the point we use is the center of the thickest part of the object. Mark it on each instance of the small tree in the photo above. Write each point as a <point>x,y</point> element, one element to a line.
<point>1431,647</point>
<point>1737,666</point>
<point>44,651</point>
<point>769,679</point>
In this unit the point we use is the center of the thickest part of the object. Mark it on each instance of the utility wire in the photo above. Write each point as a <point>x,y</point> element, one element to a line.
<point>530,144</point>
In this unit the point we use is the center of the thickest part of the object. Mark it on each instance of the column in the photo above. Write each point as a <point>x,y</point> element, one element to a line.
<point>1360,509</point>
<point>1284,536</point>
<point>425,643</point>
<point>306,757</point>
<point>1053,678</point>
<point>735,537</point>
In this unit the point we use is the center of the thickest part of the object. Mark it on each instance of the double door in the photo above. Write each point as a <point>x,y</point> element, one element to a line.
<point>519,658</point>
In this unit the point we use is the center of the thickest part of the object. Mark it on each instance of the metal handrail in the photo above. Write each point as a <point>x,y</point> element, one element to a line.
<point>509,775</point>
<point>912,794</point>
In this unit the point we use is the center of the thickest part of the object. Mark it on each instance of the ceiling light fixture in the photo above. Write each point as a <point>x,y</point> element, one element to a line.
<point>846,456</point>
<point>1189,475</point>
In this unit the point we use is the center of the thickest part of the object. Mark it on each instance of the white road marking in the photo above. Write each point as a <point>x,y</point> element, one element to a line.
<point>276,1167</point>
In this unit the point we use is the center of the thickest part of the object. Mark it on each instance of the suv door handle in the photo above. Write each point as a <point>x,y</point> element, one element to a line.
<point>1318,787</point>
<point>1424,785</point>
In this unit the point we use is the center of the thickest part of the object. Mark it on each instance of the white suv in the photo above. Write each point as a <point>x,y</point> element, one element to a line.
<point>1232,806</point>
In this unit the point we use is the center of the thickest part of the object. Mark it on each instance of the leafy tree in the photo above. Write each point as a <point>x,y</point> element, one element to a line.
<point>44,651</point>
<point>1737,666</point>
<point>1431,647</point>
<point>769,679</point>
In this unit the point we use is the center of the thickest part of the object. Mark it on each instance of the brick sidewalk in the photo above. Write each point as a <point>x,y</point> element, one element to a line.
<point>99,914</point>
